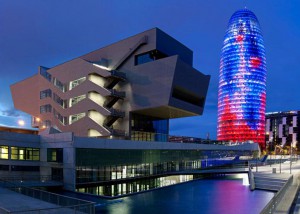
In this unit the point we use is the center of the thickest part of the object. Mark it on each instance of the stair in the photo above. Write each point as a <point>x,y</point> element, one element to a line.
<point>272,182</point>
<point>114,79</point>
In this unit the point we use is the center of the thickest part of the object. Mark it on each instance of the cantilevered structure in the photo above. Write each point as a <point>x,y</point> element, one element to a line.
<point>242,81</point>
<point>130,88</point>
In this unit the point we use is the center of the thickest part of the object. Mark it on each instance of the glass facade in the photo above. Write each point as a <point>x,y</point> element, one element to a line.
<point>242,81</point>
<point>98,165</point>
<point>146,128</point>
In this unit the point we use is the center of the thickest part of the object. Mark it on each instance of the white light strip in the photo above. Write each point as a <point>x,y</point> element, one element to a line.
<point>102,67</point>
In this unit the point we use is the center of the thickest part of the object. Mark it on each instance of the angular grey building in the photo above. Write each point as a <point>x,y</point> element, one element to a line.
<point>128,89</point>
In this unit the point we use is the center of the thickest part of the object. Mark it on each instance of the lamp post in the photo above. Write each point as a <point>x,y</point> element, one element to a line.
<point>272,148</point>
<point>291,150</point>
<point>280,158</point>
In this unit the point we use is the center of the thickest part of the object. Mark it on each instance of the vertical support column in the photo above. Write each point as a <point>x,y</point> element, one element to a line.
<point>151,168</point>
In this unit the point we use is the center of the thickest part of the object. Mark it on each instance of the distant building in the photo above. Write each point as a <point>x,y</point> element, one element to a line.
<point>283,128</point>
<point>242,81</point>
<point>129,89</point>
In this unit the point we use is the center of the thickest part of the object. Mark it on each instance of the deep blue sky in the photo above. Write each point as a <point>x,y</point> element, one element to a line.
<point>49,32</point>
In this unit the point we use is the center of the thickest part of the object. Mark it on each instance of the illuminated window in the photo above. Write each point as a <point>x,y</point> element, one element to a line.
<point>20,153</point>
<point>75,100</point>
<point>77,82</point>
<point>55,155</point>
<point>75,117</point>
<point>3,152</point>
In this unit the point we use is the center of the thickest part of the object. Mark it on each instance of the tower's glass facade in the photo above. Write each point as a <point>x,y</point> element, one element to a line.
<point>242,81</point>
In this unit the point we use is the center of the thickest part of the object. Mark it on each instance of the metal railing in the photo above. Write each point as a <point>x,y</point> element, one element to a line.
<point>271,206</point>
<point>63,203</point>
<point>67,209</point>
<point>24,178</point>
<point>118,74</point>
<point>120,94</point>
<point>116,112</point>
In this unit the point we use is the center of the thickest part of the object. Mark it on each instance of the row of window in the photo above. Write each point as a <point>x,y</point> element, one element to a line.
<point>59,84</point>
<point>113,172</point>
<point>63,103</point>
<point>73,118</point>
<point>33,154</point>
<point>20,153</point>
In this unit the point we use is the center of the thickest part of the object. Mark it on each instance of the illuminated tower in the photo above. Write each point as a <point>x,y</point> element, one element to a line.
<point>242,81</point>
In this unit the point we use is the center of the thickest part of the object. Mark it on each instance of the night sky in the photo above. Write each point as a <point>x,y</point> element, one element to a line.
<point>50,32</point>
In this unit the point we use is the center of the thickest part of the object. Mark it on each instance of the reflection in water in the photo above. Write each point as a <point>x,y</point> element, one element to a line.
<point>206,196</point>
<point>135,186</point>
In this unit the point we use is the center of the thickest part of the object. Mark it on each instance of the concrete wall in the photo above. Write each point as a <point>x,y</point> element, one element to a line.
<point>65,141</point>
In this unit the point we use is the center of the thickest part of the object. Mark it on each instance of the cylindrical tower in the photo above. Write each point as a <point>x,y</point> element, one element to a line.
<point>242,81</point>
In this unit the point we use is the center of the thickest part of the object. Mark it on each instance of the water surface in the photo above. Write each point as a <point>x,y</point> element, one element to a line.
<point>209,196</point>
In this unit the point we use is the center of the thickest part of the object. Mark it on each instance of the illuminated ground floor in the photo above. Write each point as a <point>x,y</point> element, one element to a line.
<point>80,162</point>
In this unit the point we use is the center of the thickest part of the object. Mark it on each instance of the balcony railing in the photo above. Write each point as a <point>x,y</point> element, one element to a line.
<point>116,113</point>
<point>119,94</point>
<point>66,204</point>
<point>118,74</point>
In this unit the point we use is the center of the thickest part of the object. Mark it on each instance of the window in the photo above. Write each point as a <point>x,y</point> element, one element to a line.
<point>4,152</point>
<point>186,96</point>
<point>46,124</point>
<point>55,155</point>
<point>75,100</point>
<point>59,85</point>
<point>149,57</point>
<point>75,117</point>
<point>45,74</point>
<point>45,93</point>
<point>4,167</point>
<point>60,101</point>
<point>45,108</point>
<point>25,168</point>
<point>19,153</point>
<point>61,118</point>
<point>148,128</point>
<point>77,82</point>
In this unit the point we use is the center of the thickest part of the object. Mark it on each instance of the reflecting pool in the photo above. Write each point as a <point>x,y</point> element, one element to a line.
<point>207,196</point>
